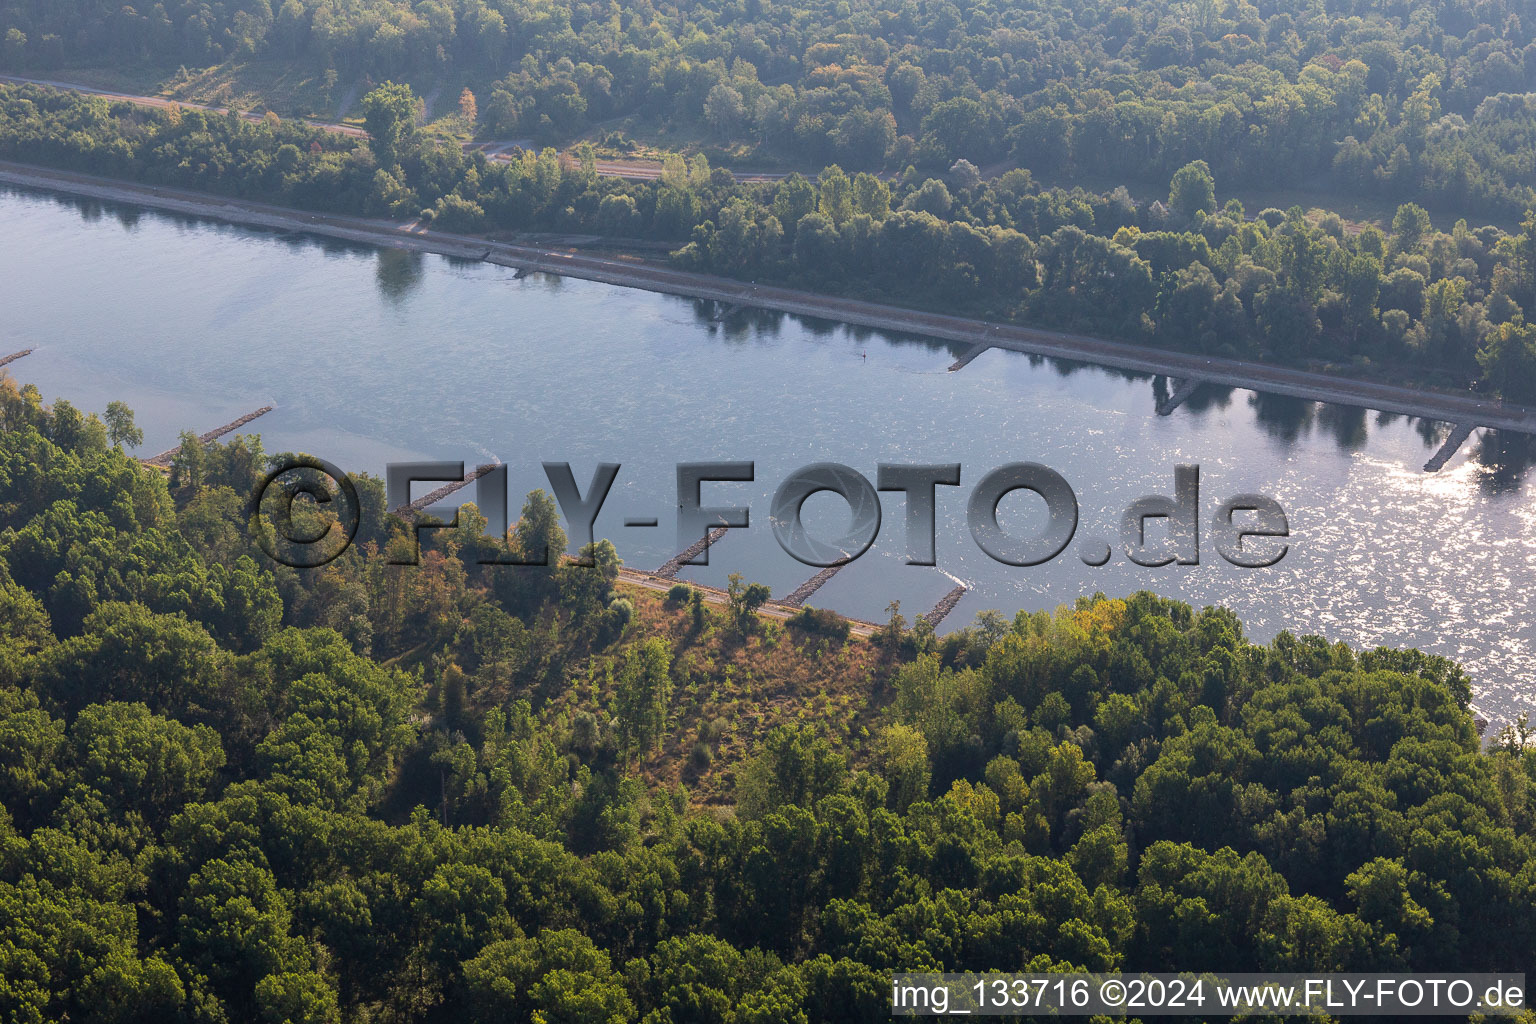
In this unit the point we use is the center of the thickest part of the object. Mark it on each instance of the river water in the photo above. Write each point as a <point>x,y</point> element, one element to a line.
<point>372,357</point>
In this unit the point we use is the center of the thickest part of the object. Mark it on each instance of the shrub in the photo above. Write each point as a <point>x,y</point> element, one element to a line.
<point>622,609</point>
<point>820,622</point>
<point>621,612</point>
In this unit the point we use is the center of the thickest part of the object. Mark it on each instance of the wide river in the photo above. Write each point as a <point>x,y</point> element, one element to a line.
<point>372,357</point>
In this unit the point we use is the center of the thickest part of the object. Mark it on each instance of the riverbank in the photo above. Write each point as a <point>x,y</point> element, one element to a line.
<point>637,273</point>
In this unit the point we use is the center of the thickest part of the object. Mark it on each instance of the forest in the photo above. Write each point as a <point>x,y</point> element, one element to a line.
<point>1408,303</point>
<point>236,792</point>
<point>1366,96</point>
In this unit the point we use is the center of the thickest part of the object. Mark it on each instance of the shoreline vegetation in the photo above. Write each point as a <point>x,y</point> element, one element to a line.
<point>1447,407</point>
<point>236,793</point>
<point>1189,278</point>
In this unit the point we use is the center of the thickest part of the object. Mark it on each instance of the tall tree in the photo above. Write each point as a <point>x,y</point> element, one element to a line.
<point>1193,189</point>
<point>389,113</point>
<point>1509,361</point>
<point>121,429</point>
<point>644,693</point>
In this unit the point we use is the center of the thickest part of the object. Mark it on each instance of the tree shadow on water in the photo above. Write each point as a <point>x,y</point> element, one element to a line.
<point>398,272</point>
<point>1346,424</point>
<point>1207,397</point>
<point>752,323</point>
<point>1506,455</point>
<point>1282,417</point>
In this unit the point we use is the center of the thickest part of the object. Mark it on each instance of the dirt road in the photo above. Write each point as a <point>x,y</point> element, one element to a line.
<point>163,102</point>
<point>495,149</point>
<point>650,170</point>
<point>714,595</point>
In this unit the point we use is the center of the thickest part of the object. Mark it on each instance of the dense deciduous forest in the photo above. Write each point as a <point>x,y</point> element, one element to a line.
<point>1190,273</point>
<point>1418,100</point>
<point>231,792</point>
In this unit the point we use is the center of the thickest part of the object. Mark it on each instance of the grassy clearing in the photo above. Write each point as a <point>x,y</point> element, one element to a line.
<point>728,694</point>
